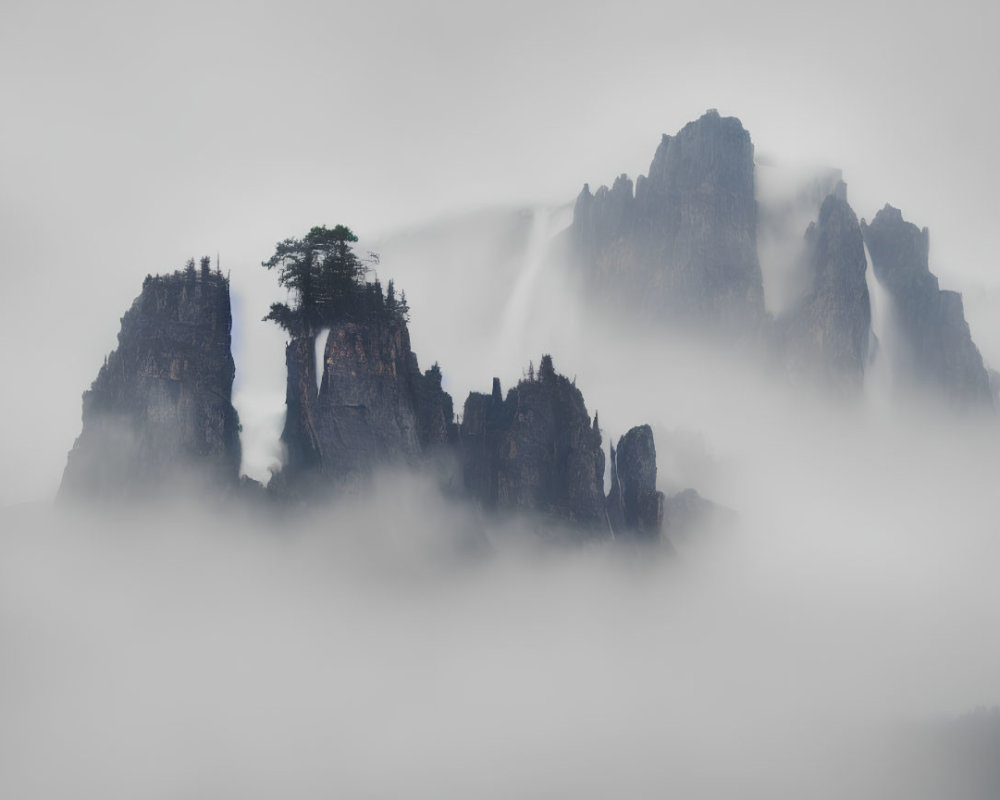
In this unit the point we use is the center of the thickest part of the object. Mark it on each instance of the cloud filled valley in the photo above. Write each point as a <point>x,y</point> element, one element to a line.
<point>629,450</point>
<point>399,643</point>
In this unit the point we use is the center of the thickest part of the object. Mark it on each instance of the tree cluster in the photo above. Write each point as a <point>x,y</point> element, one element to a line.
<point>327,281</point>
<point>204,273</point>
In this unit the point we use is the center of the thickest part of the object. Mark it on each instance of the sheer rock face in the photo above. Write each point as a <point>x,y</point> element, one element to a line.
<point>827,335</point>
<point>535,451</point>
<point>935,351</point>
<point>683,247</point>
<point>160,410</point>
<point>634,506</point>
<point>372,407</point>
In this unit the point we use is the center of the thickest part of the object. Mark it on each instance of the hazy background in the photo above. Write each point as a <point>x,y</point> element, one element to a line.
<point>136,135</point>
<point>178,652</point>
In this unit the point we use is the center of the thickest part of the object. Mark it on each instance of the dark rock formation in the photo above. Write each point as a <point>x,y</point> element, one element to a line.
<point>160,411</point>
<point>826,336</point>
<point>373,406</point>
<point>683,248</point>
<point>634,506</point>
<point>434,407</point>
<point>933,351</point>
<point>535,451</point>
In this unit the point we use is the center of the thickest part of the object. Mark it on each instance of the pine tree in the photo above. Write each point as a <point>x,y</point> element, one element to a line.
<point>546,371</point>
<point>325,276</point>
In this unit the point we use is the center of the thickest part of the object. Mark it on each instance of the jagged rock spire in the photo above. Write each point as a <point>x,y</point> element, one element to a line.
<point>934,352</point>
<point>681,248</point>
<point>159,413</point>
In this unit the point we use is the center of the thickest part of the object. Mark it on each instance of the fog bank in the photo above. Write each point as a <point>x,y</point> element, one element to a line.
<point>401,644</point>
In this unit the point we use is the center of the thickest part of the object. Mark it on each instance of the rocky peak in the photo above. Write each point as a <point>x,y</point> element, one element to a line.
<point>634,505</point>
<point>710,154</point>
<point>903,250</point>
<point>160,410</point>
<point>681,249</point>
<point>535,451</point>
<point>827,334</point>
<point>934,351</point>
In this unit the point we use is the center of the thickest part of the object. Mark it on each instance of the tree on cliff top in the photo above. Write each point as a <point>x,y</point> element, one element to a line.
<point>325,274</point>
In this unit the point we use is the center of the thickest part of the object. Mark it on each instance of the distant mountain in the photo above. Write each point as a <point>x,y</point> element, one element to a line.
<point>934,351</point>
<point>826,335</point>
<point>682,247</point>
<point>684,250</point>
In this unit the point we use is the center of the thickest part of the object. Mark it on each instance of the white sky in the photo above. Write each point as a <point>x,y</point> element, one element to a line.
<point>136,135</point>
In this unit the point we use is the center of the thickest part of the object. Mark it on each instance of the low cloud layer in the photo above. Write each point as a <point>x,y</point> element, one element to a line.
<point>398,643</point>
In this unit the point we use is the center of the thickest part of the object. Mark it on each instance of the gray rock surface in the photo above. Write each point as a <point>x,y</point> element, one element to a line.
<point>536,451</point>
<point>160,411</point>
<point>373,406</point>
<point>934,350</point>
<point>826,336</point>
<point>683,247</point>
<point>635,507</point>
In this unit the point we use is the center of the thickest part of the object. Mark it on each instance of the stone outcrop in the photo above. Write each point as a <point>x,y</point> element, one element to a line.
<point>933,350</point>
<point>535,451</point>
<point>634,506</point>
<point>826,336</point>
<point>160,411</point>
<point>160,417</point>
<point>681,248</point>
<point>370,406</point>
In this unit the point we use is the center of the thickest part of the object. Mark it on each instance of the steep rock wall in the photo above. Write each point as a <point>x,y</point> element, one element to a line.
<point>536,450</point>
<point>826,336</point>
<point>936,353</point>
<point>160,410</point>
<point>683,247</point>
<point>373,405</point>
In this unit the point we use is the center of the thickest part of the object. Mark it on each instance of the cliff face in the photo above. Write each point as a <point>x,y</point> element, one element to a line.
<point>634,506</point>
<point>826,336</point>
<point>683,247</point>
<point>535,451</point>
<point>160,409</point>
<point>935,351</point>
<point>372,405</point>
<point>538,451</point>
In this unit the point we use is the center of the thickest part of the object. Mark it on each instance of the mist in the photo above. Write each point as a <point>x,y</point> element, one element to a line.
<point>141,136</point>
<point>829,638</point>
<point>398,643</point>
<point>821,643</point>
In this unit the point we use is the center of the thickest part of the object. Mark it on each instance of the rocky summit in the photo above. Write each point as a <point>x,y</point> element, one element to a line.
<point>635,507</point>
<point>826,336</point>
<point>933,351</point>
<point>160,410</point>
<point>681,248</point>
<point>536,450</point>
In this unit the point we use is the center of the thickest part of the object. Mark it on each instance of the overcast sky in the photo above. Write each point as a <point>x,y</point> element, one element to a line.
<point>136,135</point>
